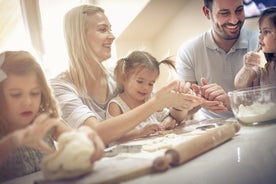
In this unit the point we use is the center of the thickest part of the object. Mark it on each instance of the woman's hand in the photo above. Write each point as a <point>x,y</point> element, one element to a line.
<point>98,143</point>
<point>191,100</point>
<point>176,94</point>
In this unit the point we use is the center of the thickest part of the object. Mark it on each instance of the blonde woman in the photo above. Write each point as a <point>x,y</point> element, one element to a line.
<point>85,89</point>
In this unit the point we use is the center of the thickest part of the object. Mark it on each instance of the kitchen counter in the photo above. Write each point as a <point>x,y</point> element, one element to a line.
<point>249,157</point>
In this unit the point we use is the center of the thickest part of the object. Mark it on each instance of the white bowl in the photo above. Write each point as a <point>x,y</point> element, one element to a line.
<point>254,105</point>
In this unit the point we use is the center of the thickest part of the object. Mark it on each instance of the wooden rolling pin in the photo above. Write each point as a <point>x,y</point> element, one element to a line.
<point>194,147</point>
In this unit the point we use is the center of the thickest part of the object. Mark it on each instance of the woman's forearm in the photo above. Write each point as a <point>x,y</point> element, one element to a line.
<point>114,128</point>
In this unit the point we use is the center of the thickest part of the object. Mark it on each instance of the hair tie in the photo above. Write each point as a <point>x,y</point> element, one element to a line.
<point>3,75</point>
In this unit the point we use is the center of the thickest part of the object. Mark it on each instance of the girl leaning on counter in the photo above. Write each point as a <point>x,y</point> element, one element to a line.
<point>29,121</point>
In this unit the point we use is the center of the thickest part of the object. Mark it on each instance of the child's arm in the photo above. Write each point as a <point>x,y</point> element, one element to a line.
<point>114,109</point>
<point>249,72</point>
<point>245,78</point>
<point>140,133</point>
<point>29,136</point>
<point>112,129</point>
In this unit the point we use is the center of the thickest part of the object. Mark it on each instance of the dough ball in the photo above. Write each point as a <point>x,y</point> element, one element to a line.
<point>72,158</point>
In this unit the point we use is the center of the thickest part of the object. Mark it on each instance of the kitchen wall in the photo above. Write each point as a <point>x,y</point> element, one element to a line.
<point>186,24</point>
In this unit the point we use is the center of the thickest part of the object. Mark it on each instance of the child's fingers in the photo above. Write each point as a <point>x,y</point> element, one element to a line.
<point>44,147</point>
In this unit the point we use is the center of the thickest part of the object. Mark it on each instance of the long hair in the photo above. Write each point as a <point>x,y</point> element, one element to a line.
<point>270,14</point>
<point>20,63</point>
<point>79,51</point>
<point>135,62</point>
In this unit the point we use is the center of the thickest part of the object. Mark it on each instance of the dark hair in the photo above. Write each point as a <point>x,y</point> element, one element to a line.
<point>269,13</point>
<point>208,4</point>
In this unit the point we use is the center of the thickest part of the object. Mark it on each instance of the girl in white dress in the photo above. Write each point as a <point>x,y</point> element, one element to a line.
<point>135,76</point>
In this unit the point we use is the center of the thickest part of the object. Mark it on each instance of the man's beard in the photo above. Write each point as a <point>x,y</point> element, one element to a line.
<point>222,32</point>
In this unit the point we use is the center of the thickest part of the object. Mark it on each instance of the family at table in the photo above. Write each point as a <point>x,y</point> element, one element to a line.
<point>121,105</point>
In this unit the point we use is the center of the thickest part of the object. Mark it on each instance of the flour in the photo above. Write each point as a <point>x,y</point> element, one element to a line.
<point>256,112</point>
<point>167,141</point>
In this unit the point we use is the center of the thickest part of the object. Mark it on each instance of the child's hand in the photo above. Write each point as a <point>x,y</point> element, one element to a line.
<point>252,60</point>
<point>168,123</point>
<point>33,134</point>
<point>149,129</point>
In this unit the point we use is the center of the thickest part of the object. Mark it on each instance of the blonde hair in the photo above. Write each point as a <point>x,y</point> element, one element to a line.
<point>20,63</point>
<point>135,62</point>
<point>79,50</point>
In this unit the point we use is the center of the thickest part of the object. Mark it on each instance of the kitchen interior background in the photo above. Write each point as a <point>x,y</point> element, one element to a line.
<point>157,26</point>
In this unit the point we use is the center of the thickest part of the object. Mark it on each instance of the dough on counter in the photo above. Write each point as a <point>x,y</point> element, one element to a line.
<point>159,143</point>
<point>72,158</point>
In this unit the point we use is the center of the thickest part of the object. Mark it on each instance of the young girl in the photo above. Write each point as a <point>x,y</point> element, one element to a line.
<point>26,107</point>
<point>253,73</point>
<point>135,77</point>
<point>84,90</point>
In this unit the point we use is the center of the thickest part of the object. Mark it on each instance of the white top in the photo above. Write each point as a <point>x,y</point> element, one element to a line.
<point>75,108</point>
<point>201,57</point>
<point>156,117</point>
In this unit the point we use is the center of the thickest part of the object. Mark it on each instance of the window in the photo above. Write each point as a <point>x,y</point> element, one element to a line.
<point>52,13</point>
<point>12,33</point>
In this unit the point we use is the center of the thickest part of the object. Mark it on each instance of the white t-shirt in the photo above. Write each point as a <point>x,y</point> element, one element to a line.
<point>201,57</point>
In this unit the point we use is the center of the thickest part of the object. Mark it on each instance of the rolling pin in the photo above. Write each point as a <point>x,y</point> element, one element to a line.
<point>187,150</point>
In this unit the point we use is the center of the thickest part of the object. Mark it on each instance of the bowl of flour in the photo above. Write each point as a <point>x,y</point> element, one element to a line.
<point>255,105</point>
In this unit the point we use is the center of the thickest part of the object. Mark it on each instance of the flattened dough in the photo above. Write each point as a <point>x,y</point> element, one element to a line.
<point>72,158</point>
<point>159,143</point>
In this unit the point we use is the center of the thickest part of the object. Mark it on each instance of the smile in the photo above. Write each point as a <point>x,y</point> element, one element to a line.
<point>232,26</point>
